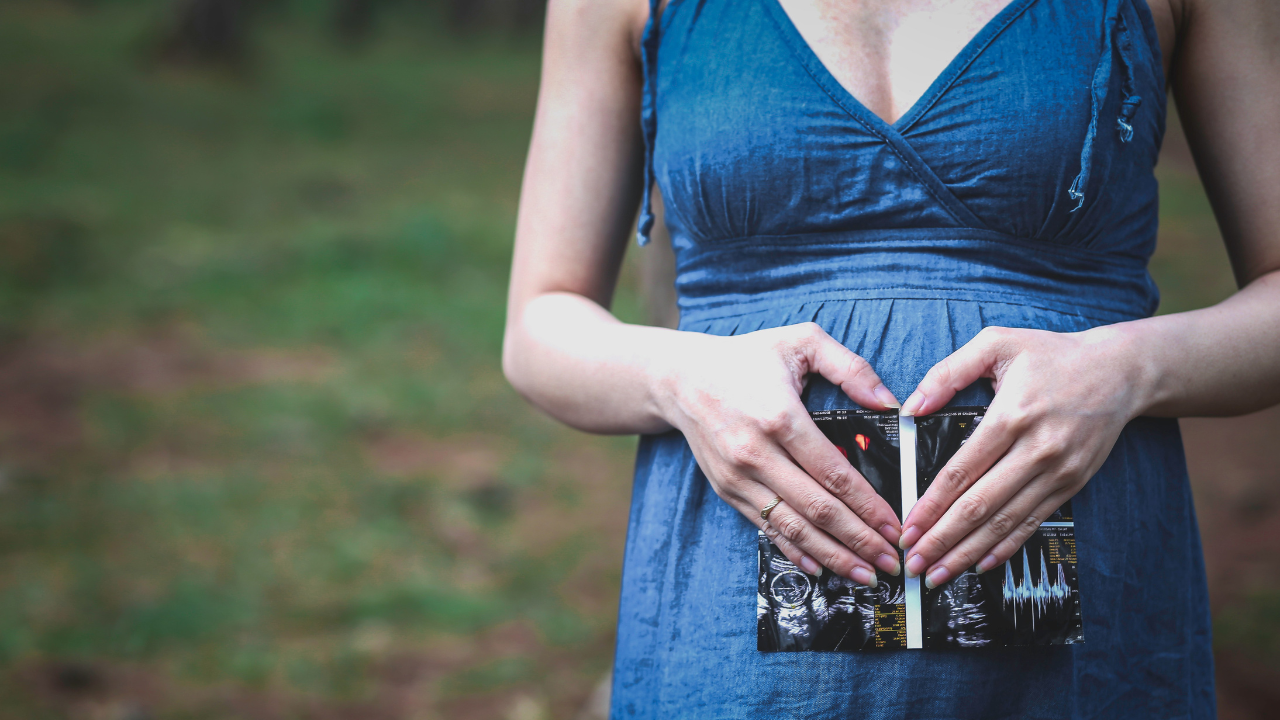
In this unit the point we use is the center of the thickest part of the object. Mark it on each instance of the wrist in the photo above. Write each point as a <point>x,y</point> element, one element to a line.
<point>1124,351</point>
<point>663,376</point>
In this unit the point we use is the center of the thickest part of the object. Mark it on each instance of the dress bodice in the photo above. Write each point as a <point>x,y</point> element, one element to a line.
<point>1042,134</point>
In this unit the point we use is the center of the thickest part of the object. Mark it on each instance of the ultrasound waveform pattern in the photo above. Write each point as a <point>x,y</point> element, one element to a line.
<point>1037,597</point>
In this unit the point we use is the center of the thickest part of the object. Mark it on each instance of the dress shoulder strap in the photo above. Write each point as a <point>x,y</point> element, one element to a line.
<point>649,42</point>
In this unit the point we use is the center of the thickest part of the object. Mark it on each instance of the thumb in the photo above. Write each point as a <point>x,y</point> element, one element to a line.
<point>846,369</point>
<point>980,357</point>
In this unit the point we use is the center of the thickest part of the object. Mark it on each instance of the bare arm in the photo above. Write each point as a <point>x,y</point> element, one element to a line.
<point>1225,360</point>
<point>735,399</point>
<point>1045,436</point>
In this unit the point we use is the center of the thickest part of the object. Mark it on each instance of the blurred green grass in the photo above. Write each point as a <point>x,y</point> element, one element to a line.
<point>256,446</point>
<point>261,318</point>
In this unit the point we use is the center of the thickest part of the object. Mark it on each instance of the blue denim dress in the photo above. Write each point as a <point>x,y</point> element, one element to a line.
<point>1017,192</point>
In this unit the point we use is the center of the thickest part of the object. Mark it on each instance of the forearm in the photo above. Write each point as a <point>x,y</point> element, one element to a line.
<point>584,367</point>
<point>1220,360</point>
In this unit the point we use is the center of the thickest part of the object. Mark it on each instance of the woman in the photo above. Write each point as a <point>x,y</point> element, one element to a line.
<point>887,199</point>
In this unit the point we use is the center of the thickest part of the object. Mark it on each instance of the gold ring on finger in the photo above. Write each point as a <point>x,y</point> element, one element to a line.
<point>764,514</point>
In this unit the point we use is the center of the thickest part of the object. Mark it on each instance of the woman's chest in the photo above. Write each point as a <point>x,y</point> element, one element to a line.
<point>756,135</point>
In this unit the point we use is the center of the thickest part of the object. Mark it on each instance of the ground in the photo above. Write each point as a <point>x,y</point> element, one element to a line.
<point>257,458</point>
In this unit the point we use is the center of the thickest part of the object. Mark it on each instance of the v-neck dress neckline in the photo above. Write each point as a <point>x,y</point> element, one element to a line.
<point>855,107</point>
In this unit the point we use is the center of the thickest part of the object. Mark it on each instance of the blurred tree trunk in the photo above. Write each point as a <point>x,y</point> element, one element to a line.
<point>353,19</point>
<point>658,273</point>
<point>491,14</point>
<point>208,31</point>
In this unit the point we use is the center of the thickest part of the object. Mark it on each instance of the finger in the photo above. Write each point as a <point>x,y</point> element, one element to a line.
<point>814,453</point>
<point>797,556</point>
<point>1028,509</point>
<point>807,498</point>
<point>845,369</point>
<point>976,359</point>
<point>990,441</point>
<point>795,529</point>
<point>750,498</point>
<point>805,545</point>
<point>1004,522</point>
<point>1011,543</point>
<point>816,503</point>
<point>973,509</point>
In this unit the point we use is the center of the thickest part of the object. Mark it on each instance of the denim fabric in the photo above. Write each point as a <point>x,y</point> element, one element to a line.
<point>1017,192</point>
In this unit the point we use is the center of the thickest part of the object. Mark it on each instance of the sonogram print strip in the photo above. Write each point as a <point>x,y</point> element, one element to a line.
<point>907,448</point>
<point>1032,600</point>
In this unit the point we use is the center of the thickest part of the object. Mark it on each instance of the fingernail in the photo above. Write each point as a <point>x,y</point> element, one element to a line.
<point>909,537</point>
<point>987,563</point>
<point>885,397</point>
<point>889,532</point>
<point>937,577</point>
<point>889,563</point>
<point>915,566</point>
<point>810,565</point>
<point>912,404</point>
<point>864,576</point>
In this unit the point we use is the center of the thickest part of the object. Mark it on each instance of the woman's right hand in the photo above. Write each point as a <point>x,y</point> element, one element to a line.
<point>737,401</point>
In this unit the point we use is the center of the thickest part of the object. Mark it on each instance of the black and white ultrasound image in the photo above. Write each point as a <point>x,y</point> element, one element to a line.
<point>1033,599</point>
<point>796,611</point>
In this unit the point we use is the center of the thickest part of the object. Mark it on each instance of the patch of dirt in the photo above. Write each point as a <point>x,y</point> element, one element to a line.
<point>1233,463</point>
<point>461,462</point>
<point>416,684</point>
<point>44,380</point>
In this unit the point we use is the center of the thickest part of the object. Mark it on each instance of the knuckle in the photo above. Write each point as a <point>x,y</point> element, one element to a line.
<point>939,374</point>
<point>791,526</point>
<point>741,451</point>
<point>811,330</point>
<point>927,507</point>
<point>1075,471</point>
<point>835,479</point>
<point>957,476</point>
<point>1017,419</point>
<point>861,540</point>
<point>997,423</point>
<point>928,548</point>
<point>720,491</point>
<point>859,369</point>
<point>993,333</point>
<point>1053,446</point>
<point>1002,524</point>
<point>835,561</point>
<point>775,423</point>
<point>1028,525</point>
<point>866,507</point>
<point>972,509</point>
<point>821,511</point>
<point>966,558</point>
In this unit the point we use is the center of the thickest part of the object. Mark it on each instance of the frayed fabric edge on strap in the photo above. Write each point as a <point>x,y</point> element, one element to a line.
<point>648,115</point>
<point>1116,42</point>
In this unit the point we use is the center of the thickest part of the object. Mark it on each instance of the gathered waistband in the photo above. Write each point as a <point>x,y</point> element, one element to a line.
<point>734,277</point>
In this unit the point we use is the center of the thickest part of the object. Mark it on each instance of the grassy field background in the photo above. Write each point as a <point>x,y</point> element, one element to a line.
<point>257,458</point>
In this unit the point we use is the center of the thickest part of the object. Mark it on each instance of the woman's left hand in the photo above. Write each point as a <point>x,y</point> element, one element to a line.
<point>1060,403</point>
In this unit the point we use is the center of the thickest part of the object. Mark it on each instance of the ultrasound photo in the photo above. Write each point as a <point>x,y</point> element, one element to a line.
<point>1033,599</point>
<point>796,611</point>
